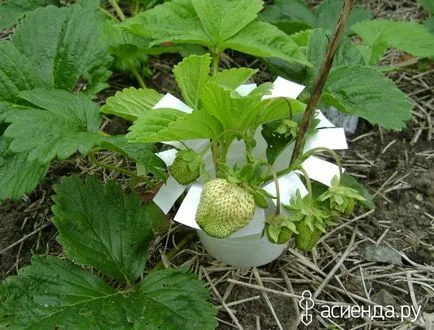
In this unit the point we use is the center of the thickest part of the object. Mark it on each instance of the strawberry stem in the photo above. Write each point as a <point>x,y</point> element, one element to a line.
<point>276,183</point>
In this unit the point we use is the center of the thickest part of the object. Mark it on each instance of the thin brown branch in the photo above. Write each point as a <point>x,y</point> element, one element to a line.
<point>321,79</point>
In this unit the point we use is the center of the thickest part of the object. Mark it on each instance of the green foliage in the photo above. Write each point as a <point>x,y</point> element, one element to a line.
<point>65,48</point>
<point>341,198</point>
<point>295,15</point>
<point>143,154</point>
<point>217,106</point>
<point>379,35</point>
<point>17,174</point>
<point>131,103</point>
<point>216,24</point>
<point>351,182</point>
<point>427,4</point>
<point>58,125</point>
<point>191,75</point>
<point>347,54</point>
<point>51,53</point>
<point>12,10</point>
<point>99,211</point>
<point>365,92</point>
<point>100,227</point>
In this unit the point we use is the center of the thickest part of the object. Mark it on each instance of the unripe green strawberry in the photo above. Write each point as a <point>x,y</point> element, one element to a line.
<point>181,169</point>
<point>224,208</point>
<point>306,238</point>
<point>283,233</point>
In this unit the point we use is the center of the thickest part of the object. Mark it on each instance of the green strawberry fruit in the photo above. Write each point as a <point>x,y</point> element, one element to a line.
<point>224,208</point>
<point>276,234</point>
<point>306,238</point>
<point>181,169</point>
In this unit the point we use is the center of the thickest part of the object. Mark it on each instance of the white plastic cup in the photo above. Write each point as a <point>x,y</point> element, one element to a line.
<point>246,251</point>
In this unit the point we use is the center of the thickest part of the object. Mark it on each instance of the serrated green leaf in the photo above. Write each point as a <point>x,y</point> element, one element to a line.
<point>262,39</point>
<point>367,93</point>
<point>59,125</point>
<point>191,75</point>
<point>12,10</point>
<point>295,15</point>
<point>142,154</point>
<point>351,182</point>
<point>16,72</point>
<point>328,13</point>
<point>18,175</point>
<point>222,19</point>
<point>347,54</point>
<point>174,21</point>
<point>233,112</point>
<point>289,15</point>
<point>100,227</point>
<point>55,294</point>
<point>232,78</point>
<point>379,35</point>
<point>65,47</point>
<point>173,299</point>
<point>131,103</point>
<point>161,125</point>
<point>177,21</point>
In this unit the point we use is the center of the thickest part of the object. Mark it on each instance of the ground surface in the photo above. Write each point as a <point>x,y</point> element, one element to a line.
<point>396,167</point>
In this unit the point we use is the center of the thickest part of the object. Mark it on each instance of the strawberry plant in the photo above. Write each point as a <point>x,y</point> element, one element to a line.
<point>105,236</point>
<point>247,154</point>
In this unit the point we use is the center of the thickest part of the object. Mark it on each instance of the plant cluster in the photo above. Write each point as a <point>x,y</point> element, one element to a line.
<point>56,61</point>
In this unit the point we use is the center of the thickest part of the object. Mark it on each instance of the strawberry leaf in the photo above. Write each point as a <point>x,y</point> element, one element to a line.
<point>213,24</point>
<point>53,293</point>
<point>263,39</point>
<point>191,75</point>
<point>367,93</point>
<point>232,78</point>
<point>58,125</point>
<point>160,125</point>
<point>17,174</point>
<point>174,21</point>
<point>379,35</point>
<point>12,10</point>
<point>100,227</point>
<point>16,72</point>
<point>56,294</point>
<point>65,48</point>
<point>328,12</point>
<point>173,298</point>
<point>131,103</point>
<point>295,15</point>
<point>289,15</point>
<point>143,154</point>
<point>222,19</point>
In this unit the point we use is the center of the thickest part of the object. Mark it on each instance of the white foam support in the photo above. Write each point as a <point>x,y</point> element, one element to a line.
<point>168,194</point>
<point>331,138</point>
<point>288,186</point>
<point>323,121</point>
<point>284,88</point>
<point>167,156</point>
<point>187,211</point>
<point>320,170</point>
<point>245,90</point>
<point>169,101</point>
